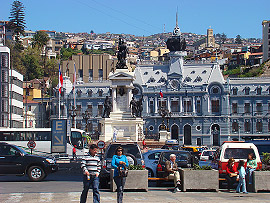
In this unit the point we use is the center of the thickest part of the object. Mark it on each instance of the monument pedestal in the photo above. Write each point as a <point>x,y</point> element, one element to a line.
<point>164,135</point>
<point>121,122</point>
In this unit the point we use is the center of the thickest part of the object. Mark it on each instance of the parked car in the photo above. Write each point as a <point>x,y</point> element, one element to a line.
<point>206,154</point>
<point>183,160</point>
<point>151,160</point>
<point>171,144</point>
<point>194,150</point>
<point>131,150</point>
<point>236,149</point>
<point>15,161</point>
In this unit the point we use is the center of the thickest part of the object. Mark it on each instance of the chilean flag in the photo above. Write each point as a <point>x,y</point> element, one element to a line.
<point>60,84</point>
<point>161,94</point>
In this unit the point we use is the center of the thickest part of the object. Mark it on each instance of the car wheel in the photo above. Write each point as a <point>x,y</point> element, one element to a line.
<point>131,159</point>
<point>36,173</point>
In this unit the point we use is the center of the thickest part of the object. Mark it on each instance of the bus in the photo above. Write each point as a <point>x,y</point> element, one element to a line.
<point>42,137</point>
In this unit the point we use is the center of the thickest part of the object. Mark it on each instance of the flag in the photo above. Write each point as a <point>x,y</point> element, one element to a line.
<point>161,94</point>
<point>74,77</point>
<point>60,84</point>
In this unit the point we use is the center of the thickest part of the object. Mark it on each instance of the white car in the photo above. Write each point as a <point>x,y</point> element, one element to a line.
<point>205,154</point>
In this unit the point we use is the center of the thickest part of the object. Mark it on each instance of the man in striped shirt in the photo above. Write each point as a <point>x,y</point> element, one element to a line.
<point>91,169</point>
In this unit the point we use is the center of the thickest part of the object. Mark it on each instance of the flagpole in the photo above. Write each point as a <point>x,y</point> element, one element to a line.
<point>59,94</point>
<point>74,94</point>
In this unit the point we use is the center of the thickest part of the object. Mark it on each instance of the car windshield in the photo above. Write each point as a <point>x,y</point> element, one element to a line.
<point>208,153</point>
<point>179,156</point>
<point>21,150</point>
<point>128,149</point>
<point>238,153</point>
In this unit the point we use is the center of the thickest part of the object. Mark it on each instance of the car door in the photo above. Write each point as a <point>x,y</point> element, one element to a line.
<point>153,160</point>
<point>11,160</point>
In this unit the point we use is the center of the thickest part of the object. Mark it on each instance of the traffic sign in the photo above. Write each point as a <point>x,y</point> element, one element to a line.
<point>101,144</point>
<point>31,144</point>
<point>59,136</point>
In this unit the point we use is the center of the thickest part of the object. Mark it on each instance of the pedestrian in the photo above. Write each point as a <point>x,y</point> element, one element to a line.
<point>251,166</point>
<point>144,143</point>
<point>172,172</point>
<point>242,180</point>
<point>74,151</point>
<point>119,161</point>
<point>91,168</point>
<point>231,173</point>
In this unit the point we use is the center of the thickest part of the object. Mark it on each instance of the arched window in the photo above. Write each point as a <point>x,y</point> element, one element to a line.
<point>235,126</point>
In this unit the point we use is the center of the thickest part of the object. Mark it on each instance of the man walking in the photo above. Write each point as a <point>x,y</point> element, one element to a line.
<point>91,169</point>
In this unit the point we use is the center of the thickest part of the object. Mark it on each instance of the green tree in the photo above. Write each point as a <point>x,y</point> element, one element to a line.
<point>51,69</point>
<point>40,40</point>
<point>238,39</point>
<point>66,53</point>
<point>17,22</point>
<point>32,61</point>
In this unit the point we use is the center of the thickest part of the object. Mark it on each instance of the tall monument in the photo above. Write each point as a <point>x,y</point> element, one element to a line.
<point>122,123</point>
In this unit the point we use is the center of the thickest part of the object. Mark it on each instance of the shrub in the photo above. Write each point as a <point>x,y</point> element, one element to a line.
<point>197,167</point>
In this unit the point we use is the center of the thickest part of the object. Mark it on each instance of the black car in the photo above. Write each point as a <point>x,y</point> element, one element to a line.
<point>131,150</point>
<point>183,159</point>
<point>15,161</point>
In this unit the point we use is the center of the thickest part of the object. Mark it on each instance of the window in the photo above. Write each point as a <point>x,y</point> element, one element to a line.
<point>234,91</point>
<point>234,107</point>
<point>100,93</point>
<point>100,74</point>
<point>154,156</point>
<point>90,93</point>
<point>215,106</point>
<point>81,73</point>
<point>78,110</point>
<point>79,93</point>
<point>237,153</point>
<point>90,74</point>
<point>198,79</point>
<point>198,106</point>
<point>151,128</point>
<point>235,126</point>
<point>174,106</point>
<point>259,108</point>
<point>90,109</point>
<point>4,60</point>
<point>247,126</point>
<point>247,108</point>
<point>247,89</point>
<point>100,110</point>
<point>187,105</point>
<point>215,90</point>
<point>259,126</point>
<point>269,126</point>
<point>151,106</point>
<point>162,103</point>
<point>187,79</point>
<point>259,91</point>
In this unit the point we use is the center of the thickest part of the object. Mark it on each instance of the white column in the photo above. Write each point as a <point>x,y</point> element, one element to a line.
<point>129,95</point>
<point>156,106</point>
<point>208,104</point>
<point>169,103</point>
<point>181,104</point>
<point>193,98</point>
<point>114,99</point>
<point>146,103</point>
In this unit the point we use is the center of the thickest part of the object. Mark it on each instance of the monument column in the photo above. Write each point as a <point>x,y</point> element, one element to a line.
<point>156,107</point>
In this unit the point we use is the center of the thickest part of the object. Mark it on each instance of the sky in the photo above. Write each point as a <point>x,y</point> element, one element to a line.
<point>144,17</point>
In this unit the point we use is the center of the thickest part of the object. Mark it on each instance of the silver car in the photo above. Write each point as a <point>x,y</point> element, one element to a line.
<point>151,160</point>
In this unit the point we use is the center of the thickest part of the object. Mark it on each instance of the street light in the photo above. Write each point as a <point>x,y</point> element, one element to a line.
<point>86,117</point>
<point>73,113</point>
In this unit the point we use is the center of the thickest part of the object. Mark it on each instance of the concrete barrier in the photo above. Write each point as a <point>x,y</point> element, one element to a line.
<point>261,181</point>
<point>199,179</point>
<point>136,180</point>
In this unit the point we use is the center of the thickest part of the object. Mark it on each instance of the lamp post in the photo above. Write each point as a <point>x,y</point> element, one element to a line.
<point>86,117</point>
<point>239,132</point>
<point>73,113</point>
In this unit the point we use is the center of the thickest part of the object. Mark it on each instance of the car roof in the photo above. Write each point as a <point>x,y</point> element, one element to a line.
<point>155,150</point>
<point>176,151</point>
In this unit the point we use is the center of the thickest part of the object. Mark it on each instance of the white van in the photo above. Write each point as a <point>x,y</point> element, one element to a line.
<point>237,150</point>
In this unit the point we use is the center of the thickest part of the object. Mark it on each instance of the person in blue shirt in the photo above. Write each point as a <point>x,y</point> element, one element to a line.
<point>119,160</point>
<point>242,180</point>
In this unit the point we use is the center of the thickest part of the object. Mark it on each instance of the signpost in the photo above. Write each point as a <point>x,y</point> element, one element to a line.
<point>31,145</point>
<point>101,144</point>
<point>59,136</point>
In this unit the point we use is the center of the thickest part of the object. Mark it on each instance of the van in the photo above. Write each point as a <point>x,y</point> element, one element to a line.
<point>236,149</point>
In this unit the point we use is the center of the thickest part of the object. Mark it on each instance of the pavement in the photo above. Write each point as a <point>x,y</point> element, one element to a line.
<point>66,186</point>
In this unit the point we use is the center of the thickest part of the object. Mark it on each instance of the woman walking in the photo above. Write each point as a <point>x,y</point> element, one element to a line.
<point>119,161</point>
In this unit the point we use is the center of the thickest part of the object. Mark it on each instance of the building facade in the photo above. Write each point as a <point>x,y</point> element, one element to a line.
<point>266,39</point>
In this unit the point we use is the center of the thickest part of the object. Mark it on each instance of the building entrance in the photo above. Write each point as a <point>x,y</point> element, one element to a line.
<point>174,132</point>
<point>187,135</point>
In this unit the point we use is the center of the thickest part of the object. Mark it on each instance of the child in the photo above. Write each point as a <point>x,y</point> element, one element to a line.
<point>242,180</point>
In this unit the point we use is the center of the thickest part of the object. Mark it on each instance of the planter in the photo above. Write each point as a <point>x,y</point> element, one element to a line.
<point>199,179</point>
<point>261,180</point>
<point>136,180</point>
